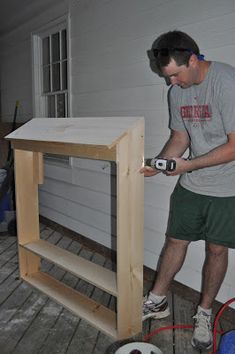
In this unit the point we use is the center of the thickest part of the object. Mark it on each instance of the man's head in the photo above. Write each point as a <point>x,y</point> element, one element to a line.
<point>177,58</point>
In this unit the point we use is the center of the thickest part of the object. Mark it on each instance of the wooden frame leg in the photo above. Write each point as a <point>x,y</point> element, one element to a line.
<point>130,186</point>
<point>28,173</point>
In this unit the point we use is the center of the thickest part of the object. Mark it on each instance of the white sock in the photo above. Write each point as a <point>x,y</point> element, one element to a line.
<point>155,298</point>
<point>207,311</point>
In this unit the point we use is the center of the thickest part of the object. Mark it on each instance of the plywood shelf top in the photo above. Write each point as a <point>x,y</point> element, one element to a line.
<point>101,131</point>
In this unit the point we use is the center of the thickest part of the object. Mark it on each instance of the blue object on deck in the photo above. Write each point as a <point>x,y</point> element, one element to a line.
<point>227,343</point>
<point>5,204</point>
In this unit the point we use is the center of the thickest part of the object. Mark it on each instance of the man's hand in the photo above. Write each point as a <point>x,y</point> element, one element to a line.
<point>149,171</point>
<point>182,166</point>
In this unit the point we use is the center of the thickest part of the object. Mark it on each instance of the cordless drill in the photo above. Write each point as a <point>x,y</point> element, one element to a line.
<point>161,164</point>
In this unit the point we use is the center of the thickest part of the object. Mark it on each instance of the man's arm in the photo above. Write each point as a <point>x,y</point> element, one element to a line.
<point>176,145</point>
<point>221,154</point>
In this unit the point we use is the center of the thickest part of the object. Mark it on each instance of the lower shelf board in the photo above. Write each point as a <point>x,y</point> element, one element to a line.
<point>96,314</point>
<point>80,267</point>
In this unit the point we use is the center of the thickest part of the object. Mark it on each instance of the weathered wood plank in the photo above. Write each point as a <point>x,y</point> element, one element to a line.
<point>24,304</point>
<point>9,285</point>
<point>13,329</point>
<point>55,340</point>
<point>8,255</point>
<point>85,336</point>
<point>49,317</point>
<point>164,340</point>
<point>103,341</point>
<point>7,242</point>
<point>9,266</point>
<point>183,312</point>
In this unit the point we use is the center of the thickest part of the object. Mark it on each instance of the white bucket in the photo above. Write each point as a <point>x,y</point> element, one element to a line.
<point>143,348</point>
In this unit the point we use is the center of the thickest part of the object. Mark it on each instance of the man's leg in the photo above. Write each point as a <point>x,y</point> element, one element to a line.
<point>155,304</point>
<point>214,271</point>
<point>171,262</point>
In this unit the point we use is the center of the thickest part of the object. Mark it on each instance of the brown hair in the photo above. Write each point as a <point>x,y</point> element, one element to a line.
<point>175,45</point>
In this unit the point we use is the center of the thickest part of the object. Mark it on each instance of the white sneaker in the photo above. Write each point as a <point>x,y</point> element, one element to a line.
<point>202,336</point>
<point>155,310</point>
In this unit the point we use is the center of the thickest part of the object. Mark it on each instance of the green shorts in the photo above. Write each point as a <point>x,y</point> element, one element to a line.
<point>195,217</point>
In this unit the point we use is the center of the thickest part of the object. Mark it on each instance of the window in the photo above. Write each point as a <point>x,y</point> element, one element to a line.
<point>54,73</point>
<point>50,74</point>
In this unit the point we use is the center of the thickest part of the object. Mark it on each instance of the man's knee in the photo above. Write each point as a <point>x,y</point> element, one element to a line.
<point>174,242</point>
<point>216,250</point>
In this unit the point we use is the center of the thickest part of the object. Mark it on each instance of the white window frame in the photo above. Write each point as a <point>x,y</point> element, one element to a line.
<point>39,100</point>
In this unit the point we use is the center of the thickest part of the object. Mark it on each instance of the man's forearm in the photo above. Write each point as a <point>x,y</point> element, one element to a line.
<point>175,147</point>
<point>222,154</point>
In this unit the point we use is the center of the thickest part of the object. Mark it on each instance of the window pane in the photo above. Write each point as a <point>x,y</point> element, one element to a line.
<point>64,44</point>
<point>61,105</point>
<point>56,77</point>
<point>64,76</point>
<point>51,106</point>
<point>46,50</point>
<point>46,79</point>
<point>55,47</point>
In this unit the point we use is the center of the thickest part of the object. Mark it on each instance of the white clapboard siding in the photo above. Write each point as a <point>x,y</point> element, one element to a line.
<point>18,83</point>
<point>78,211</point>
<point>127,98</point>
<point>110,76</point>
<point>82,228</point>
<point>16,56</point>
<point>96,180</point>
<point>80,195</point>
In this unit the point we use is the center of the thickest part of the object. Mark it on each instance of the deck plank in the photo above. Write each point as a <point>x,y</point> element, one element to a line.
<point>17,312</point>
<point>164,340</point>
<point>84,338</point>
<point>60,334</point>
<point>183,312</point>
<point>24,304</point>
<point>8,254</point>
<point>49,315</point>
<point>103,341</point>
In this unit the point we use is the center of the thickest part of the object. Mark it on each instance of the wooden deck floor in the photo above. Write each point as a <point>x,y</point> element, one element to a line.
<point>31,323</point>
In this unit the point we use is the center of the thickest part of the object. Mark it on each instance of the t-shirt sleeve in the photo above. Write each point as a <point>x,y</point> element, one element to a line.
<point>176,121</point>
<point>227,104</point>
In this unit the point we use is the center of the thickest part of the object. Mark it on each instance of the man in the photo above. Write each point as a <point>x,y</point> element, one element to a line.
<point>202,110</point>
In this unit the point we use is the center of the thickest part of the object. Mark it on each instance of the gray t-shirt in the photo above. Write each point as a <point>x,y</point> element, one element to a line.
<point>207,112</point>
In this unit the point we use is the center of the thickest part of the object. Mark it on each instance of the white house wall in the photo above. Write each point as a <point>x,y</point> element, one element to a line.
<point>110,76</point>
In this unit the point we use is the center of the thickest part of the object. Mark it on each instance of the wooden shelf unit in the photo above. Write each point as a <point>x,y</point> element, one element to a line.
<point>119,139</point>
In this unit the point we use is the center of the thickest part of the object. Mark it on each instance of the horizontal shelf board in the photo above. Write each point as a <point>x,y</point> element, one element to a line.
<point>99,276</point>
<point>94,313</point>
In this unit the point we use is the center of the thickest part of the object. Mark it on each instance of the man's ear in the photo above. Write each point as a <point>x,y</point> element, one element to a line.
<point>193,60</point>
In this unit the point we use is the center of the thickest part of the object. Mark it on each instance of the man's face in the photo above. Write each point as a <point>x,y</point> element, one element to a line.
<point>183,76</point>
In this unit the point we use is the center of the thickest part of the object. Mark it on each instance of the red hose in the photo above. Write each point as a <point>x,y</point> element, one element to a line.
<point>152,334</point>
<point>216,321</point>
